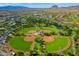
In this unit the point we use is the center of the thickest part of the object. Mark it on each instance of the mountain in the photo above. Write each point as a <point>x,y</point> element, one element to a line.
<point>12,7</point>
<point>54,6</point>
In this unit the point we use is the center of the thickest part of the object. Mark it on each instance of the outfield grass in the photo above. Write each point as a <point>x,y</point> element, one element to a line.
<point>18,43</point>
<point>58,44</point>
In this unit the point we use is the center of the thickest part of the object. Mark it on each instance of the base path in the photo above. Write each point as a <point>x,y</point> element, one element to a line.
<point>30,38</point>
<point>48,38</point>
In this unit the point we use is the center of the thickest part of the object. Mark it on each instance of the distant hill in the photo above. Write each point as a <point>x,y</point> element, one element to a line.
<point>54,6</point>
<point>12,7</point>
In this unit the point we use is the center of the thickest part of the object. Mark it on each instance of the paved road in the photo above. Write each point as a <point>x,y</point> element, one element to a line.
<point>3,53</point>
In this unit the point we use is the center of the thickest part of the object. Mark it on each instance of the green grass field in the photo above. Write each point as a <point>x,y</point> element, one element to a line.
<point>58,44</point>
<point>51,29</point>
<point>26,30</point>
<point>72,17</point>
<point>19,44</point>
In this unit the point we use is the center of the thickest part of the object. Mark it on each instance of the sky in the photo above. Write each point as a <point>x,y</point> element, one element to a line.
<point>39,5</point>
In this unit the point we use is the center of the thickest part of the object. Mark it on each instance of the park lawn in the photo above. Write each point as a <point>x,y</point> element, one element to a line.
<point>26,30</point>
<point>57,45</point>
<point>52,29</point>
<point>19,44</point>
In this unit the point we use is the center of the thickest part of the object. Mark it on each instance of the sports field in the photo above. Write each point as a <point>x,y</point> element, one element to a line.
<point>59,44</point>
<point>24,43</point>
<point>18,43</point>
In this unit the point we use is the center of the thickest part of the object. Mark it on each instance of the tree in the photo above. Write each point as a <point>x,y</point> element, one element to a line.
<point>38,39</point>
<point>20,53</point>
<point>47,34</point>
